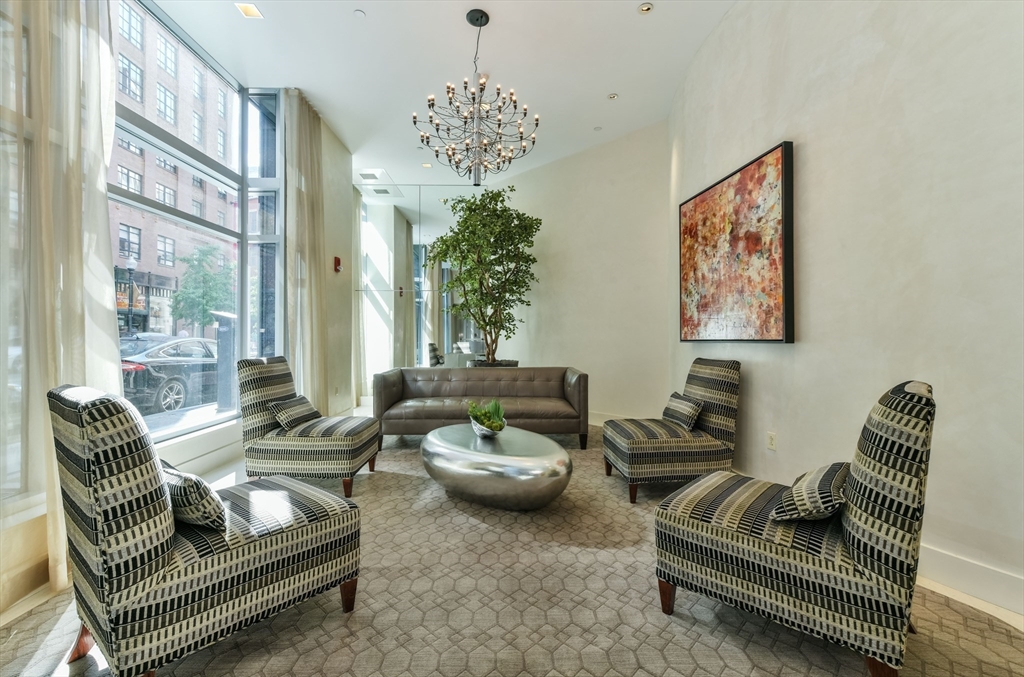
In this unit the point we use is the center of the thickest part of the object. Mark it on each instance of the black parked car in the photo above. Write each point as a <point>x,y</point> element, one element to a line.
<point>163,373</point>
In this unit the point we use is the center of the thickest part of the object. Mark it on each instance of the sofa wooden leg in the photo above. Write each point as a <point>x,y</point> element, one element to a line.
<point>877,668</point>
<point>583,441</point>
<point>632,492</point>
<point>380,442</point>
<point>348,595</point>
<point>607,468</point>
<point>346,484</point>
<point>373,462</point>
<point>83,644</point>
<point>668,597</point>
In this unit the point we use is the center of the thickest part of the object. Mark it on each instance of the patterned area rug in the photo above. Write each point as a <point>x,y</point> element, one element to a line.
<point>451,588</point>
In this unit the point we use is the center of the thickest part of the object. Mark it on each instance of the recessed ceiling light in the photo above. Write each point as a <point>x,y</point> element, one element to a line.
<point>645,8</point>
<point>613,95</point>
<point>597,129</point>
<point>427,165</point>
<point>359,14</point>
<point>248,10</point>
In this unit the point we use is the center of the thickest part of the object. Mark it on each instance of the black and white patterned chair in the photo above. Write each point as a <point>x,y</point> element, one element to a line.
<point>150,589</point>
<point>326,447</point>
<point>661,450</point>
<point>848,578</point>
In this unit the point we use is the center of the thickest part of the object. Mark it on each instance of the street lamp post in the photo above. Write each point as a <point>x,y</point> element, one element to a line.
<point>131,264</point>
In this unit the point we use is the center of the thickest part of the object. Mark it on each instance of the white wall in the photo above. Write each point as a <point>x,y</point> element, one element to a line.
<point>908,125</point>
<point>599,305</point>
<point>338,224</point>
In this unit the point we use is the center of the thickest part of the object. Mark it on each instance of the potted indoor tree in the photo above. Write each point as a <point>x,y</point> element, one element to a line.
<point>488,250</point>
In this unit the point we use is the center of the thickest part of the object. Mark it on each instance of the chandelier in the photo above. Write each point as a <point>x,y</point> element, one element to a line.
<point>478,131</point>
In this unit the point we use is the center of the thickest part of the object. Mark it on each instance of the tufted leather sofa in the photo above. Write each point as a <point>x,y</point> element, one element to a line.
<point>414,401</point>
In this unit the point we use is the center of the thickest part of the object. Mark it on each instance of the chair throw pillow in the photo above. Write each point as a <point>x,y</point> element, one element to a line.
<point>814,495</point>
<point>294,411</point>
<point>193,500</point>
<point>682,410</point>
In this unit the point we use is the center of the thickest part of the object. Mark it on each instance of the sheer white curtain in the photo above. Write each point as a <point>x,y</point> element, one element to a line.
<point>56,273</point>
<point>306,248</point>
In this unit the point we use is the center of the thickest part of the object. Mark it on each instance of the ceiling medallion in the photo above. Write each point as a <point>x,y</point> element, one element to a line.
<point>477,132</point>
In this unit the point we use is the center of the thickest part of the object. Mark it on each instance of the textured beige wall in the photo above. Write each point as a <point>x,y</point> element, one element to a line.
<point>599,303</point>
<point>907,120</point>
<point>338,223</point>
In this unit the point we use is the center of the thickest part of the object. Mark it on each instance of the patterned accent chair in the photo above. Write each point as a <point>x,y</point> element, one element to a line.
<point>660,450</point>
<point>149,589</point>
<point>848,578</point>
<point>327,447</point>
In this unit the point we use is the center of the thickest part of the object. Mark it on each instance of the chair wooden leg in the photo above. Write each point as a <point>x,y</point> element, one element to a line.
<point>346,484</point>
<point>913,630</point>
<point>348,595</point>
<point>380,442</point>
<point>877,668</point>
<point>583,441</point>
<point>607,468</point>
<point>83,645</point>
<point>668,597</point>
<point>373,462</point>
<point>632,492</point>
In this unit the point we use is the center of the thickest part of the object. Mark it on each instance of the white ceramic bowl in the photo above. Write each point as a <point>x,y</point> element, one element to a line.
<point>486,432</point>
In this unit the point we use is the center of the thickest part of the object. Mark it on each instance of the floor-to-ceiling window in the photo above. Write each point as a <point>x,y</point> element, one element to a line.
<point>195,223</point>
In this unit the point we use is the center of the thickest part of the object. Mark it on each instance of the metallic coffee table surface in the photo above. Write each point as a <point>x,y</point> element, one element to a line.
<point>517,470</point>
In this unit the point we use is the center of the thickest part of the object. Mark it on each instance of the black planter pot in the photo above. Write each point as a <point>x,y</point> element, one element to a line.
<point>499,363</point>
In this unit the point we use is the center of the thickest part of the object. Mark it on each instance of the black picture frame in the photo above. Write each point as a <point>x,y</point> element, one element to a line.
<point>788,314</point>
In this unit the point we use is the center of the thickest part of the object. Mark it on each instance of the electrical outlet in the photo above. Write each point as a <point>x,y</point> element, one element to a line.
<point>771,441</point>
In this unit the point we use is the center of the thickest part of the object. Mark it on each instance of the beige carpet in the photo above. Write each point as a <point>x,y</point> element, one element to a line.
<point>450,588</point>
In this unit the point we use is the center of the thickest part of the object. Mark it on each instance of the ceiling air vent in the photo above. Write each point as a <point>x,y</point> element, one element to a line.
<point>367,176</point>
<point>382,191</point>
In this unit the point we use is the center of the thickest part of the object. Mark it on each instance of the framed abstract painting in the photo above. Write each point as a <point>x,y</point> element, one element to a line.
<point>736,254</point>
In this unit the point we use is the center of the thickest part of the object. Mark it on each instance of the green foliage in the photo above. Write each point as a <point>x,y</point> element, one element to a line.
<point>491,416</point>
<point>492,267</point>
<point>204,288</point>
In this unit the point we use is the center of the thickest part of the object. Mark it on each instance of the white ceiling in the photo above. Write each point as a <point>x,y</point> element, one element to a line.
<point>367,75</point>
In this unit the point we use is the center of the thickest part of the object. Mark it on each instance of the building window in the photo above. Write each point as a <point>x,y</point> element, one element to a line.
<point>184,292</point>
<point>165,195</point>
<point>197,128</point>
<point>164,163</point>
<point>130,242</point>
<point>164,251</point>
<point>129,77</point>
<point>167,55</point>
<point>133,148</point>
<point>166,104</point>
<point>130,23</point>
<point>129,180</point>
<point>197,82</point>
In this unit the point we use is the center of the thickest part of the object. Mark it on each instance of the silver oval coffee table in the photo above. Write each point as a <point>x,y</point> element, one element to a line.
<point>517,470</point>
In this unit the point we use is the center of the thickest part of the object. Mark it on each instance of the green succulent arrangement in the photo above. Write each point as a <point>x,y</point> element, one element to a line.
<point>491,416</point>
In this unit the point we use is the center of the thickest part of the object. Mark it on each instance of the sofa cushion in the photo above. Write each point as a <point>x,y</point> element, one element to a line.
<point>285,541</point>
<point>656,450</point>
<point>682,410</point>
<point>814,495</point>
<point>455,408</point>
<point>293,411</point>
<point>744,505</point>
<point>192,499</point>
